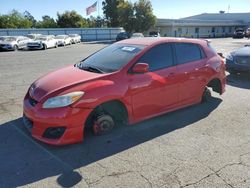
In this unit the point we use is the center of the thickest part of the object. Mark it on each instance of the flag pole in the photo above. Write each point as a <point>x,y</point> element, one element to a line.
<point>98,2</point>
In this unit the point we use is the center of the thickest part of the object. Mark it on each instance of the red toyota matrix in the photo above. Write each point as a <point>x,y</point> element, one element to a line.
<point>126,82</point>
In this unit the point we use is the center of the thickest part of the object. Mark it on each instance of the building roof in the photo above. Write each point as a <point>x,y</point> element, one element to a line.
<point>244,17</point>
<point>198,22</point>
<point>209,19</point>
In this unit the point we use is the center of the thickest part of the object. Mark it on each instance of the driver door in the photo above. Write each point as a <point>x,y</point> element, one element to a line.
<point>157,90</point>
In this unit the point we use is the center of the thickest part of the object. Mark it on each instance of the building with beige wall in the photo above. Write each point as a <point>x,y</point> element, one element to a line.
<point>203,25</point>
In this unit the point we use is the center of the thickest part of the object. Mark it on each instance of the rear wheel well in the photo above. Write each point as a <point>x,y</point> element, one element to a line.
<point>114,108</point>
<point>215,84</point>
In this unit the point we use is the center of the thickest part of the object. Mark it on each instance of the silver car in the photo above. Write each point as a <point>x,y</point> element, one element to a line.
<point>14,43</point>
<point>63,40</point>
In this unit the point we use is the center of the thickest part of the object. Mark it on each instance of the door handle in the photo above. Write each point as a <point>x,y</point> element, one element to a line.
<point>171,74</point>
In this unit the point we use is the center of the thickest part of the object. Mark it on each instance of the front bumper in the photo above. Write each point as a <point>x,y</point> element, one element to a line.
<point>37,120</point>
<point>34,46</point>
<point>60,43</point>
<point>6,47</point>
<point>231,66</point>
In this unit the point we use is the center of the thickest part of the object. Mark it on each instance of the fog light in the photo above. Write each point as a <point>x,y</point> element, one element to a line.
<point>54,132</point>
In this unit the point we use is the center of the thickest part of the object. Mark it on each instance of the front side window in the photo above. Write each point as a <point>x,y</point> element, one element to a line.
<point>158,57</point>
<point>187,52</point>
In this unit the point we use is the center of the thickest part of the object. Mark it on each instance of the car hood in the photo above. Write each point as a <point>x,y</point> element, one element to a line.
<point>60,80</point>
<point>245,51</point>
<point>4,42</point>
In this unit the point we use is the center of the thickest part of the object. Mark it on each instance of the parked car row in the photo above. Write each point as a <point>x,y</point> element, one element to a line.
<point>37,41</point>
<point>126,35</point>
<point>238,61</point>
<point>241,33</point>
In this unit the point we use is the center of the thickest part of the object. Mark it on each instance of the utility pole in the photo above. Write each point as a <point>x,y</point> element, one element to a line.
<point>228,8</point>
<point>98,3</point>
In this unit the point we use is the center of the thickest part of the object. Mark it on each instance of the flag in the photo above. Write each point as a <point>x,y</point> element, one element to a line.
<point>91,9</point>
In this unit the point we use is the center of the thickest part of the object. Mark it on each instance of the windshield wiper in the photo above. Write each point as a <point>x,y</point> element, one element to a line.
<point>90,68</point>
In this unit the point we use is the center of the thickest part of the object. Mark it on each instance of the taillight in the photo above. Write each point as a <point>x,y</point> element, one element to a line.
<point>223,64</point>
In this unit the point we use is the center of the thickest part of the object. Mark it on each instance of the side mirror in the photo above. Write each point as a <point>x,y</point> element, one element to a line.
<point>140,68</point>
<point>221,55</point>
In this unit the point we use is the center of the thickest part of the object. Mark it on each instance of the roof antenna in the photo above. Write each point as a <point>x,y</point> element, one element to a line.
<point>228,8</point>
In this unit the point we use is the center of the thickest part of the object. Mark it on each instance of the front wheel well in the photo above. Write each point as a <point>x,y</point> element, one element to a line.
<point>215,84</point>
<point>114,108</point>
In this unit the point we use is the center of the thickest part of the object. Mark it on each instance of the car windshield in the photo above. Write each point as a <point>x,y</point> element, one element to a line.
<point>2,38</point>
<point>41,38</point>
<point>111,58</point>
<point>59,37</point>
<point>122,34</point>
<point>31,36</point>
<point>10,39</point>
<point>72,35</point>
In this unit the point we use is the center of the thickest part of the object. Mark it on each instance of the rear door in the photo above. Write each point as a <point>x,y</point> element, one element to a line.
<point>190,60</point>
<point>156,90</point>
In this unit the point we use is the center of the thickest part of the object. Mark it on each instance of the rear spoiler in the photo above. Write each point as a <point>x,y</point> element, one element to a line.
<point>220,54</point>
<point>208,41</point>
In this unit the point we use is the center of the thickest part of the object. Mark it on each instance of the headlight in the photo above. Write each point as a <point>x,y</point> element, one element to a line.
<point>230,57</point>
<point>63,100</point>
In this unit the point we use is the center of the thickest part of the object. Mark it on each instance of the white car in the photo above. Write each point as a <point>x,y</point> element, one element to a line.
<point>43,42</point>
<point>75,38</point>
<point>14,42</point>
<point>137,35</point>
<point>63,40</point>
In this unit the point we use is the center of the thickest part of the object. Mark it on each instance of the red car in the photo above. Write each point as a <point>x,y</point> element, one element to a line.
<point>126,82</point>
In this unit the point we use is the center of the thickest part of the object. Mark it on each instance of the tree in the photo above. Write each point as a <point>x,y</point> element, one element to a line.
<point>70,19</point>
<point>144,15</point>
<point>14,20</point>
<point>111,12</point>
<point>29,17</point>
<point>96,21</point>
<point>137,17</point>
<point>47,22</point>
<point>126,16</point>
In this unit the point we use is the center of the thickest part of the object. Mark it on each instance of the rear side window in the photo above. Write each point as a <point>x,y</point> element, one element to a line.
<point>158,57</point>
<point>187,52</point>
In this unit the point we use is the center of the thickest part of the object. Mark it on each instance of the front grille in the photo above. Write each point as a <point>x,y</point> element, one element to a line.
<point>32,101</point>
<point>244,60</point>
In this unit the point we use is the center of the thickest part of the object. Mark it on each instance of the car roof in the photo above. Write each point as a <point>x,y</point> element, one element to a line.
<point>148,41</point>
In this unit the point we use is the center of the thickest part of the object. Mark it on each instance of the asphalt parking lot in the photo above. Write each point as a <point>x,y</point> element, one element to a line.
<point>206,145</point>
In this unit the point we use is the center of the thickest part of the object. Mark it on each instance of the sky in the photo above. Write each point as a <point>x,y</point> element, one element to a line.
<point>173,9</point>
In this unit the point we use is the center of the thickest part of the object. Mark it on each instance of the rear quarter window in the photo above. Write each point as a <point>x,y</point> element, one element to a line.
<point>188,52</point>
